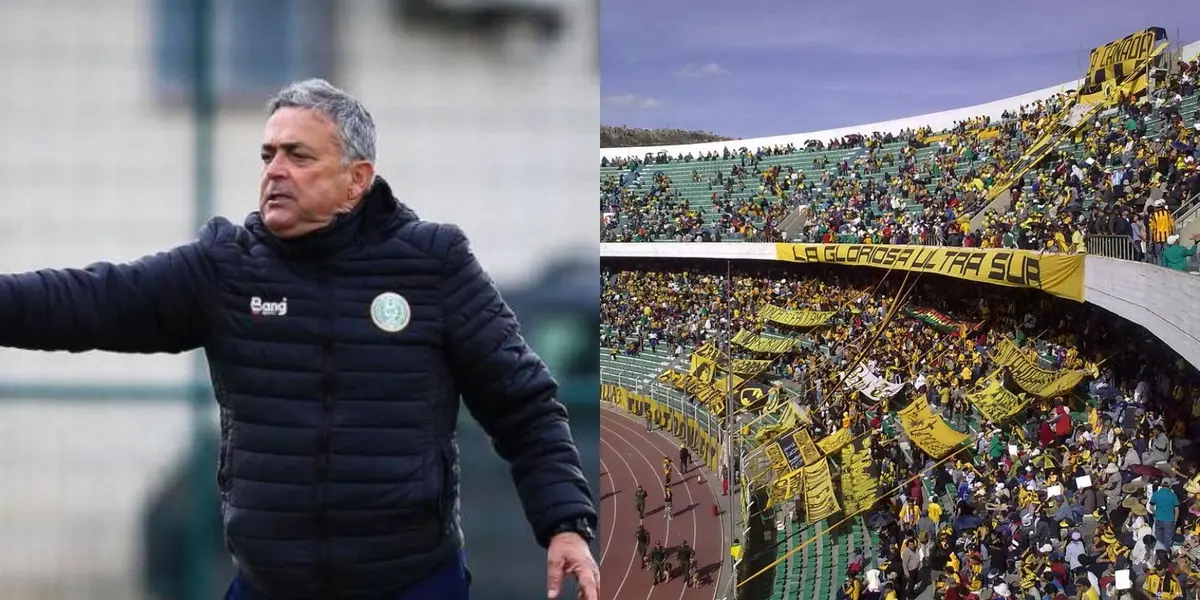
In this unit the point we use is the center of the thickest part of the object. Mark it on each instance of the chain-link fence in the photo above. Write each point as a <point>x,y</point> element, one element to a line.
<point>104,156</point>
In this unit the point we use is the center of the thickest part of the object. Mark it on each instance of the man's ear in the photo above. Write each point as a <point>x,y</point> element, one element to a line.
<point>362,175</point>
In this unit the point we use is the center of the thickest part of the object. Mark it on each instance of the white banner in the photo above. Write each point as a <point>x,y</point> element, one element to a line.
<point>872,385</point>
<point>1075,116</point>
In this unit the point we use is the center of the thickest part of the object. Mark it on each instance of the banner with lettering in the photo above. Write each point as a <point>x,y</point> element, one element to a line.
<point>996,403</point>
<point>795,318</point>
<point>740,366</point>
<point>791,451</point>
<point>763,344</point>
<point>872,385</point>
<point>928,431</point>
<point>834,441</point>
<point>785,488</point>
<point>1057,274</point>
<point>702,368</point>
<point>790,415</point>
<point>860,483</point>
<point>808,450</point>
<point>711,394</point>
<point>820,501</point>
<point>1122,62</point>
<point>1032,378</point>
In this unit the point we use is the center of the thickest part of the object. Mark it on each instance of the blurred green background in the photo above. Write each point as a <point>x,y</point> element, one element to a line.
<point>120,138</point>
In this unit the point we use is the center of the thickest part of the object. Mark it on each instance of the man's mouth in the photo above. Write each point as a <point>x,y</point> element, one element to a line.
<point>278,197</point>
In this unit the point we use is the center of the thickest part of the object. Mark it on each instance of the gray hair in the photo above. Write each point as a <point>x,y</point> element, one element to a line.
<point>356,128</point>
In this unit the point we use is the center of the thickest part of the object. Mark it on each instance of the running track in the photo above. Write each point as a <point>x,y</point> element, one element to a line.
<point>628,456</point>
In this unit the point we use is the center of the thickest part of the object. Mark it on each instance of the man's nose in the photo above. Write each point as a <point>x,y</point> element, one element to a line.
<point>276,168</point>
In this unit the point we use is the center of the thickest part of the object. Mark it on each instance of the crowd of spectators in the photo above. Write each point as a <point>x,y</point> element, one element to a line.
<point>918,187</point>
<point>988,523</point>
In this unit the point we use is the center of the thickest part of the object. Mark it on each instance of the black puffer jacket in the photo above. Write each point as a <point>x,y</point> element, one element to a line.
<point>338,469</point>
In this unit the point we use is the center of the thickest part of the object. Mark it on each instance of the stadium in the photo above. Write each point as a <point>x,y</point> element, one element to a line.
<point>947,356</point>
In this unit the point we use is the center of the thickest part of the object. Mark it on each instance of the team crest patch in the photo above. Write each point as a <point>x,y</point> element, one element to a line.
<point>390,312</point>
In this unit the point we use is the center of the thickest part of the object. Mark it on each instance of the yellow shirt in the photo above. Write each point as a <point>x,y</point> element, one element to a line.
<point>1168,587</point>
<point>1090,594</point>
<point>935,512</point>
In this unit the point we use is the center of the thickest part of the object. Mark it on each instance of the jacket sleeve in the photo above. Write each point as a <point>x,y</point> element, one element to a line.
<point>149,305</point>
<point>512,395</point>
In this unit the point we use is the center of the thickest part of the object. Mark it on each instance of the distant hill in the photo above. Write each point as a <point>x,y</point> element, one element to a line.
<point>629,137</point>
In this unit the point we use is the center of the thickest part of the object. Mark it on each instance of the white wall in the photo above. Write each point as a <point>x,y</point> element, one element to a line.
<point>1161,300</point>
<point>91,168</point>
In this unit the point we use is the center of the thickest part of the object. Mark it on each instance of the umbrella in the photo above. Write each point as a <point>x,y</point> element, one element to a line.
<point>1147,471</point>
<point>1042,461</point>
<point>881,519</point>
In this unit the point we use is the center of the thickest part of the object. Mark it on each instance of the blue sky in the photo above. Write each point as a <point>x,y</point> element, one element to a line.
<point>769,67</point>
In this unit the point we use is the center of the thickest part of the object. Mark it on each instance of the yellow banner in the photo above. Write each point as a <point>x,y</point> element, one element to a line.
<point>1032,378</point>
<point>1057,274</point>
<point>778,460</point>
<point>706,447</point>
<point>808,450</point>
<point>710,393</point>
<point>766,345</point>
<point>996,403</point>
<point>747,395</point>
<point>859,486</point>
<point>794,318</point>
<point>834,441</point>
<point>928,431</point>
<point>819,500</point>
<point>785,488</point>
<point>1123,63</point>
<point>740,366</point>
<point>702,368</point>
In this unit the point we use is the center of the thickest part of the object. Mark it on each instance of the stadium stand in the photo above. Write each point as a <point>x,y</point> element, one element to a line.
<point>1012,510</point>
<point>1094,191</point>
<point>898,433</point>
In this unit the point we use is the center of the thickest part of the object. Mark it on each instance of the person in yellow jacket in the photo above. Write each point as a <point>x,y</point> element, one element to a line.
<point>934,510</point>
<point>910,514</point>
<point>1162,226</point>
<point>1162,586</point>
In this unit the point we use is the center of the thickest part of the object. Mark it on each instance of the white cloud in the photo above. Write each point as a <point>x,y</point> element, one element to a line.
<point>634,101</point>
<point>707,70</point>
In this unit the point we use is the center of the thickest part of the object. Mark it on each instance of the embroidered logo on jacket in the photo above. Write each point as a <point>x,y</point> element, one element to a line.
<point>261,308</point>
<point>390,312</point>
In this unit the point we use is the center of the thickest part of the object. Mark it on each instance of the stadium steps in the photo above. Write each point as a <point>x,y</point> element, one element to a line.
<point>699,194</point>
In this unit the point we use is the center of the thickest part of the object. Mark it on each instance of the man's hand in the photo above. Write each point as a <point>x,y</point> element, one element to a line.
<point>569,554</point>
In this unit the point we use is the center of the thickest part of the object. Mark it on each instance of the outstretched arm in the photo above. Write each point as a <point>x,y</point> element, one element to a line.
<point>150,305</point>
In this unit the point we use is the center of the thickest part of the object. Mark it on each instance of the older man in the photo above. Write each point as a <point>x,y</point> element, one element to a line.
<point>341,331</point>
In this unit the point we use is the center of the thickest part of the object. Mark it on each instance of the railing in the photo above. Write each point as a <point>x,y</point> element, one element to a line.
<point>1111,246</point>
<point>663,395</point>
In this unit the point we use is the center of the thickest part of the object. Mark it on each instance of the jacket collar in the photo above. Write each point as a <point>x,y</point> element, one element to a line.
<point>376,215</point>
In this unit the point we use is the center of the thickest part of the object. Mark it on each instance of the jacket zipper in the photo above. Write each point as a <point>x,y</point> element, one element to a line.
<point>327,402</point>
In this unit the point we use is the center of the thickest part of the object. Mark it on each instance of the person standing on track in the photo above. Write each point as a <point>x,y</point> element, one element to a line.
<point>667,470</point>
<point>658,560</point>
<point>685,459</point>
<point>643,540</point>
<point>639,501</point>
<point>667,500</point>
<point>686,554</point>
